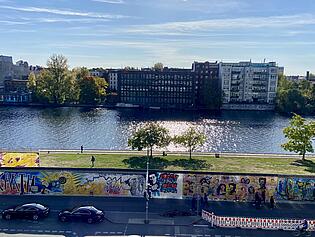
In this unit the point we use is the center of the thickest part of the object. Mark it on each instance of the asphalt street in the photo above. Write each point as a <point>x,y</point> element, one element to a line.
<point>125,215</point>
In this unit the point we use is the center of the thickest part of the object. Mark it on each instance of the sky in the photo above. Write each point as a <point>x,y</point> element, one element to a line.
<point>139,33</point>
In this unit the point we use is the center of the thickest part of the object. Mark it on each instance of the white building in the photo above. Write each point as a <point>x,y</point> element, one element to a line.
<point>245,85</point>
<point>113,79</point>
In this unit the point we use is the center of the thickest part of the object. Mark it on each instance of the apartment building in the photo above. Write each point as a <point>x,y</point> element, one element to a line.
<point>246,83</point>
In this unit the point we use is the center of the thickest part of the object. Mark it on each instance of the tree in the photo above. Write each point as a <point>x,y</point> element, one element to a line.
<point>158,67</point>
<point>300,134</point>
<point>191,139</point>
<point>56,84</point>
<point>149,136</point>
<point>92,89</point>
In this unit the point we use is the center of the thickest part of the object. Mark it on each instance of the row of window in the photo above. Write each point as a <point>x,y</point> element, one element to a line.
<point>155,100</point>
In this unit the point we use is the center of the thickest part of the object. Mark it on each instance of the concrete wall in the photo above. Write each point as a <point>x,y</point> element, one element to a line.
<point>101,182</point>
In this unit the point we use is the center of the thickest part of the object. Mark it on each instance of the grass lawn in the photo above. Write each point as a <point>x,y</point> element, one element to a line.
<point>182,162</point>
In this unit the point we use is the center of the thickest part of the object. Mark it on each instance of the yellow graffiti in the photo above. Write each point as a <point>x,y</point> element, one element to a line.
<point>19,159</point>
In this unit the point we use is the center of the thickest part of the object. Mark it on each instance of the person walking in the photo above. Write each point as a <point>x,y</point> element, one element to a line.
<point>272,202</point>
<point>92,161</point>
<point>81,148</point>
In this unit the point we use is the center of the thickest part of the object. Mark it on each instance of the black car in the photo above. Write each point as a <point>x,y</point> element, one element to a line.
<point>87,214</point>
<point>32,211</point>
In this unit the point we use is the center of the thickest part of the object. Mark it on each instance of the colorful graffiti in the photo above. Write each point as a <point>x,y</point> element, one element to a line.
<point>19,159</point>
<point>161,184</point>
<point>296,189</point>
<point>71,183</point>
<point>166,185</point>
<point>229,187</point>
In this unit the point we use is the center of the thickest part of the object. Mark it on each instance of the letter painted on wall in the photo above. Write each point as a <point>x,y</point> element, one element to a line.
<point>166,185</point>
<point>229,187</point>
<point>14,159</point>
<point>296,189</point>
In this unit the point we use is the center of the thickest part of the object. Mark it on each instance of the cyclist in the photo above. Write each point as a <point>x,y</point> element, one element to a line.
<point>303,226</point>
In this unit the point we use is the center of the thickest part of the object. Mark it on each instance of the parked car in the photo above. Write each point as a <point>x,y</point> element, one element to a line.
<point>87,214</point>
<point>32,211</point>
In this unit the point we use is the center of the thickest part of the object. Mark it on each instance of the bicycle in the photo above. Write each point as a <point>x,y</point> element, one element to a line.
<point>305,233</point>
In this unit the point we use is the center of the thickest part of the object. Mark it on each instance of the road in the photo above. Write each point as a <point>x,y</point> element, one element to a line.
<point>125,216</point>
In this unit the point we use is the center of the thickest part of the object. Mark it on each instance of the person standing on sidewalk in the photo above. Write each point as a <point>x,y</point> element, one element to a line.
<point>81,148</point>
<point>272,202</point>
<point>92,161</point>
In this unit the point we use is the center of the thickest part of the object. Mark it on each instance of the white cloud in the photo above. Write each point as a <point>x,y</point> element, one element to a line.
<point>64,12</point>
<point>110,1</point>
<point>230,23</point>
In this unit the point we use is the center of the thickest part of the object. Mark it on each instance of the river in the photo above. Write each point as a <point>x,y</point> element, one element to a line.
<point>69,128</point>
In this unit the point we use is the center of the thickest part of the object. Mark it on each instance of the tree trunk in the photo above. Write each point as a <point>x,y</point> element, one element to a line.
<point>190,153</point>
<point>151,151</point>
<point>303,155</point>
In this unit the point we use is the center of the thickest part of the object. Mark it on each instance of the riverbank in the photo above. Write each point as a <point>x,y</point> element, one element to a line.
<point>238,163</point>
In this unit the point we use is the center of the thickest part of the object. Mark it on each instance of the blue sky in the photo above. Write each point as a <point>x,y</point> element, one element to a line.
<point>117,33</point>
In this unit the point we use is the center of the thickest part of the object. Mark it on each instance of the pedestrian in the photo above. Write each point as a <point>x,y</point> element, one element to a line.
<point>205,201</point>
<point>272,202</point>
<point>92,161</point>
<point>81,148</point>
<point>257,200</point>
<point>194,203</point>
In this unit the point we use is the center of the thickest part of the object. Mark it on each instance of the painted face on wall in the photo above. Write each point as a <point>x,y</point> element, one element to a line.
<point>152,179</point>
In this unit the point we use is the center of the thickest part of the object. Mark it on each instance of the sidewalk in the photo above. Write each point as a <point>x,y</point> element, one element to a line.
<point>154,218</point>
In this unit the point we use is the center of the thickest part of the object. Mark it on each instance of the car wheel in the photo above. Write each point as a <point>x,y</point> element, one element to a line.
<point>90,220</point>
<point>7,216</point>
<point>35,217</point>
<point>63,219</point>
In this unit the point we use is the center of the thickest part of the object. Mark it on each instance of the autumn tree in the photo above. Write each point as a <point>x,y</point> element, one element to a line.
<point>92,89</point>
<point>190,139</point>
<point>149,136</point>
<point>299,134</point>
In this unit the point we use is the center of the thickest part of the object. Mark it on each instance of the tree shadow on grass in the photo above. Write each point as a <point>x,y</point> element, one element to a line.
<point>191,164</point>
<point>308,164</point>
<point>160,163</point>
<point>137,162</point>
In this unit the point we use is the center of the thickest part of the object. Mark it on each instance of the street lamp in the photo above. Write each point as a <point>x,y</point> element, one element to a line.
<point>146,221</point>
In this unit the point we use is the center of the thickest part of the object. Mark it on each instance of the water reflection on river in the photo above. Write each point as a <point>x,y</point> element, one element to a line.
<point>69,128</point>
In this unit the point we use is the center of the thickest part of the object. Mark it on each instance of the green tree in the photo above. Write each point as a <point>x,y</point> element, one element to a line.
<point>56,84</point>
<point>31,85</point>
<point>299,134</point>
<point>190,139</point>
<point>158,66</point>
<point>149,136</point>
<point>92,90</point>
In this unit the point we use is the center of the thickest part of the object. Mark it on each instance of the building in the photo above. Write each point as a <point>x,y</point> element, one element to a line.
<point>148,88</point>
<point>208,95</point>
<point>112,77</point>
<point>247,85</point>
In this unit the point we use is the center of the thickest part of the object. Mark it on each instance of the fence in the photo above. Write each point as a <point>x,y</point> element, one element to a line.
<point>254,223</point>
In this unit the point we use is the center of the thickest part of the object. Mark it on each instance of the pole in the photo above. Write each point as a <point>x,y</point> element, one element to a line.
<point>146,221</point>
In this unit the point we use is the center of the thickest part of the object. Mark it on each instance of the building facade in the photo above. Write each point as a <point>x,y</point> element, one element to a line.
<point>248,83</point>
<point>169,88</point>
<point>208,92</point>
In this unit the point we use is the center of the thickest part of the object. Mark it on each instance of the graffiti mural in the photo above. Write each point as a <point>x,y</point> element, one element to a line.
<point>229,187</point>
<point>13,159</point>
<point>296,189</point>
<point>165,185</point>
<point>71,183</point>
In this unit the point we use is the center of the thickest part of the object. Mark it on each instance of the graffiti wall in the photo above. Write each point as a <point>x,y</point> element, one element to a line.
<point>229,187</point>
<point>161,184</point>
<point>13,159</point>
<point>166,185</point>
<point>71,183</point>
<point>296,189</point>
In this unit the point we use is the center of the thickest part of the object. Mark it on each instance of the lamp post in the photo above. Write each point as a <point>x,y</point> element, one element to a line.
<point>146,221</point>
